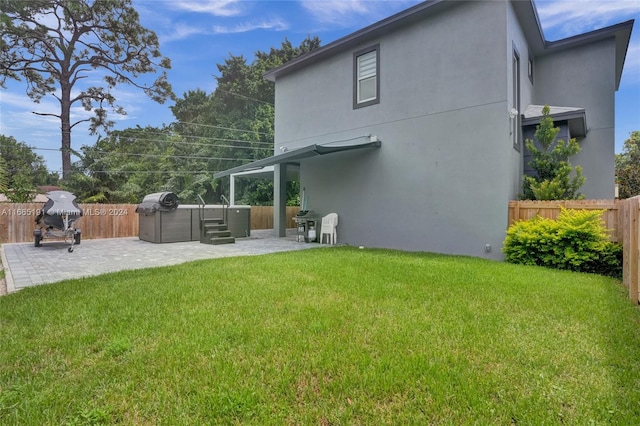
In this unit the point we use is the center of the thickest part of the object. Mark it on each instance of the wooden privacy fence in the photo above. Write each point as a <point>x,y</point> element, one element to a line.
<point>262,217</point>
<point>621,218</point>
<point>17,220</point>
<point>526,210</point>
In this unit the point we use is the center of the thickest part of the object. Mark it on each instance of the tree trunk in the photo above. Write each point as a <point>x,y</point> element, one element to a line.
<point>65,121</point>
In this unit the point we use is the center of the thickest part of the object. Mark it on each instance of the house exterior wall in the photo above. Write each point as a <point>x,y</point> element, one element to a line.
<point>446,168</point>
<point>585,77</point>
<point>516,40</point>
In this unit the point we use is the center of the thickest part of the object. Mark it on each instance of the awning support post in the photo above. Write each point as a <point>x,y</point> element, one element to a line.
<point>280,199</point>
<point>232,190</point>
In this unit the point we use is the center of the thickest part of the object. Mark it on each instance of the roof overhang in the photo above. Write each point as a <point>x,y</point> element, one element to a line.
<point>530,21</point>
<point>399,20</point>
<point>620,32</point>
<point>296,155</point>
<point>576,118</point>
<point>525,10</point>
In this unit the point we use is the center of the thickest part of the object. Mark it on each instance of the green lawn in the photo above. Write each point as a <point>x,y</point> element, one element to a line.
<point>319,337</point>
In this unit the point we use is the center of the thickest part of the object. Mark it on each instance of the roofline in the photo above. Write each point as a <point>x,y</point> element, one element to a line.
<point>561,116</point>
<point>576,117</point>
<point>373,30</point>
<point>527,11</point>
<point>591,36</point>
<point>620,32</point>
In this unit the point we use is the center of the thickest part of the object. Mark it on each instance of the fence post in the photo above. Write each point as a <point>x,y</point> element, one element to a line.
<point>632,250</point>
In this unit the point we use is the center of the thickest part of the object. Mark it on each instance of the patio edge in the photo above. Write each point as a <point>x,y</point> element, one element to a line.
<point>7,272</point>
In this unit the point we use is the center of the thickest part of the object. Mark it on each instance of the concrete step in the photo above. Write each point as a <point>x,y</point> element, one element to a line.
<point>215,227</point>
<point>213,220</point>
<point>217,233</point>
<point>222,240</point>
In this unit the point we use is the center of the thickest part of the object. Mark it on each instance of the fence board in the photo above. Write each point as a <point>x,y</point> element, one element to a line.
<point>17,220</point>
<point>630,228</point>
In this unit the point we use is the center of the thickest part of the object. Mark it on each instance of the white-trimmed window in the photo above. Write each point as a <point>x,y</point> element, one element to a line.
<point>366,77</point>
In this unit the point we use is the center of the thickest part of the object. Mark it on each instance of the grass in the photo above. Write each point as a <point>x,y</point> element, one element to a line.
<point>323,336</point>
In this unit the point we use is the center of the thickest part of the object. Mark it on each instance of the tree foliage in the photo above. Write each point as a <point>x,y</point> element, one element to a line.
<point>556,178</point>
<point>213,132</point>
<point>4,176</point>
<point>628,167</point>
<point>55,44</point>
<point>23,170</point>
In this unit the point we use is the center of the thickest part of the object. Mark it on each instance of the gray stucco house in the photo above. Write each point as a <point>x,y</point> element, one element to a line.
<point>412,129</point>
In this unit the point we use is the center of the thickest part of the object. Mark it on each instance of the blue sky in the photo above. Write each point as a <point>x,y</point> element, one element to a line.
<point>198,34</point>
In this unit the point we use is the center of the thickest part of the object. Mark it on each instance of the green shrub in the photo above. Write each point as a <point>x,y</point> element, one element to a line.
<point>577,241</point>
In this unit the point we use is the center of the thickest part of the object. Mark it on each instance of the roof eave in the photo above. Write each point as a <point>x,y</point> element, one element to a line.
<point>350,40</point>
<point>576,118</point>
<point>620,32</point>
<point>527,14</point>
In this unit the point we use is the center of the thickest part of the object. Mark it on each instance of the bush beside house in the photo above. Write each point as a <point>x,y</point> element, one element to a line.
<point>577,241</point>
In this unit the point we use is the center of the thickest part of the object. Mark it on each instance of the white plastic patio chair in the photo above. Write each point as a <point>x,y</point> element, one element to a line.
<point>329,225</point>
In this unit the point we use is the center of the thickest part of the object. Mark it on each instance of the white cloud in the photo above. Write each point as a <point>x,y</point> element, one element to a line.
<point>342,12</point>
<point>566,18</point>
<point>274,24</point>
<point>181,31</point>
<point>631,71</point>
<point>330,10</point>
<point>223,8</point>
<point>572,17</point>
<point>19,120</point>
<point>15,100</point>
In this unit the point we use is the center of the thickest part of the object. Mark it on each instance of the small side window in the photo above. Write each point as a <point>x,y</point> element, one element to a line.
<point>366,77</point>
<point>516,128</point>
<point>530,68</point>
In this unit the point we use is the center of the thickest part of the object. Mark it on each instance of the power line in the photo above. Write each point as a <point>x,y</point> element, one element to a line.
<point>159,155</point>
<point>191,172</point>
<point>221,127</point>
<point>202,144</point>
<point>243,96</point>
<point>208,144</point>
<point>193,157</point>
<point>189,136</point>
<point>195,144</point>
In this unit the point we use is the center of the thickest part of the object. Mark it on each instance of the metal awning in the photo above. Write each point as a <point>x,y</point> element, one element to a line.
<point>294,156</point>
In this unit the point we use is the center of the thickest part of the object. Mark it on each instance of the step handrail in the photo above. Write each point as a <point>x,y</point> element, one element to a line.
<point>225,208</point>
<point>201,205</point>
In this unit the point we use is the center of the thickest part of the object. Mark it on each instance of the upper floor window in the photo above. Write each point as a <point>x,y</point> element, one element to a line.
<point>366,77</point>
